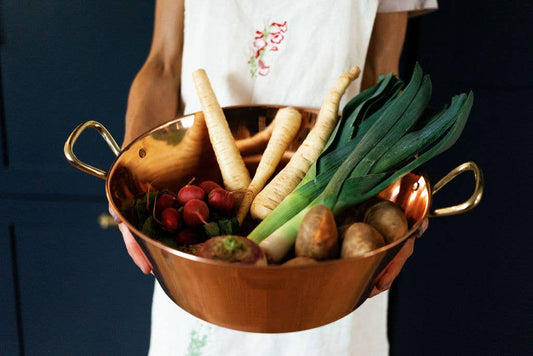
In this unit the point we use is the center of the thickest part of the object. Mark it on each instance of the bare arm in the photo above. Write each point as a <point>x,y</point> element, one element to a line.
<point>383,57</point>
<point>385,46</point>
<point>154,93</point>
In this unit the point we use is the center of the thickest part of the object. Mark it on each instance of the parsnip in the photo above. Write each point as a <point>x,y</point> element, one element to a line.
<point>286,125</point>
<point>255,144</point>
<point>234,172</point>
<point>288,178</point>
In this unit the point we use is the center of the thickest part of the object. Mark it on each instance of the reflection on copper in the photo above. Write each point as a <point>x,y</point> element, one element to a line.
<point>187,121</point>
<point>419,187</point>
<point>395,190</point>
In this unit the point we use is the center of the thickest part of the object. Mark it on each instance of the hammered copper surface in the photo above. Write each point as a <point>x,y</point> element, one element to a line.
<point>269,299</point>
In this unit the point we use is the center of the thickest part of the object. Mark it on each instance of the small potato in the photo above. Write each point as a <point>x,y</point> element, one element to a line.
<point>317,234</point>
<point>388,218</point>
<point>360,238</point>
<point>297,261</point>
<point>342,229</point>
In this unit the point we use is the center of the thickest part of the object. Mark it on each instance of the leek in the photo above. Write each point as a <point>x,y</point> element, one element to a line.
<point>381,136</point>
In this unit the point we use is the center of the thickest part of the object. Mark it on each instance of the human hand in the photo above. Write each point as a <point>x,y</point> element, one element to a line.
<point>134,250</point>
<point>384,281</point>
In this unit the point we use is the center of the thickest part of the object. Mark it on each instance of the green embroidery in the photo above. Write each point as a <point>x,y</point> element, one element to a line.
<point>196,343</point>
<point>253,66</point>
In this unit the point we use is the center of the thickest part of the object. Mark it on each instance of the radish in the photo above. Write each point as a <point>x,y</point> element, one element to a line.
<point>195,212</point>
<point>221,200</point>
<point>164,201</point>
<point>190,192</point>
<point>209,185</point>
<point>170,219</point>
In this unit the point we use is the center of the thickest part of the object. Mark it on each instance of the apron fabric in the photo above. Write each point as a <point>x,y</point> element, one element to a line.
<point>176,332</point>
<point>281,52</point>
<point>274,52</point>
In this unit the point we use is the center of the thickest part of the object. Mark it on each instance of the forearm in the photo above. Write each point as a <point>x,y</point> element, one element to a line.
<point>385,48</point>
<point>154,94</point>
<point>153,99</point>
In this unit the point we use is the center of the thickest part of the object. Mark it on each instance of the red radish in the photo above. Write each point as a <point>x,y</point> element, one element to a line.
<point>186,237</point>
<point>221,200</point>
<point>189,192</point>
<point>170,219</point>
<point>195,212</point>
<point>209,185</point>
<point>164,201</point>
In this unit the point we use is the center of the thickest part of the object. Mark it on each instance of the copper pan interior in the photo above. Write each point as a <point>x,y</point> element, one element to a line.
<point>269,299</point>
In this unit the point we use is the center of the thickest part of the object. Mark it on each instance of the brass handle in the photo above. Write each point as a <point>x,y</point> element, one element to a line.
<point>472,202</point>
<point>71,140</point>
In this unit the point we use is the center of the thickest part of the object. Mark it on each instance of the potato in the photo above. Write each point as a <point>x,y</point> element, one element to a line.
<point>360,238</point>
<point>342,229</point>
<point>317,234</point>
<point>388,218</point>
<point>297,261</point>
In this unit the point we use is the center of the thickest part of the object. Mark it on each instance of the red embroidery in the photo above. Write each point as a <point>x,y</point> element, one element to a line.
<point>266,41</point>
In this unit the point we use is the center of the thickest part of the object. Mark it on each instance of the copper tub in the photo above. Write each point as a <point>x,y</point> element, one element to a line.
<point>270,299</point>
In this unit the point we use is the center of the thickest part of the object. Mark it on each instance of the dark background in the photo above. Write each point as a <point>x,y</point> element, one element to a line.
<point>465,289</point>
<point>68,286</point>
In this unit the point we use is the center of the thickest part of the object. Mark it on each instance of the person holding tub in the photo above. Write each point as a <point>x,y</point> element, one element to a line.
<point>259,52</point>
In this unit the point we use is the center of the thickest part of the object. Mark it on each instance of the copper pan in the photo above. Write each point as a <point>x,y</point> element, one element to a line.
<point>270,299</point>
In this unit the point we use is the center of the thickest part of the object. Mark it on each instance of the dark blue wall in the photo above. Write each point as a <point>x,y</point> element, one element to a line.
<point>68,287</point>
<point>464,291</point>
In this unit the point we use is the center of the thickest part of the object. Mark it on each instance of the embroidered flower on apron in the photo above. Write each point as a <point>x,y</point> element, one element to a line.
<point>266,41</point>
<point>196,344</point>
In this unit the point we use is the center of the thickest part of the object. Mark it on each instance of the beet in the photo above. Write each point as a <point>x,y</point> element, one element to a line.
<point>170,219</point>
<point>232,248</point>
<point>209,185</point>
<point>221,200</point>
<point>190,192</point>
<point>195,212</point>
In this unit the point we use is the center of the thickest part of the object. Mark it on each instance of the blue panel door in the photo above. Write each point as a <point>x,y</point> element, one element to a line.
<point>80,293</point>
<point>9,337</point>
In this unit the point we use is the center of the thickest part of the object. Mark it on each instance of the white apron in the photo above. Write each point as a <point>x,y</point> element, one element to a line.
<point>272,52</point>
